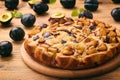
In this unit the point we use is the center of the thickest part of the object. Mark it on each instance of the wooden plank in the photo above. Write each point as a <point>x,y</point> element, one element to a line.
<point>13,68</point>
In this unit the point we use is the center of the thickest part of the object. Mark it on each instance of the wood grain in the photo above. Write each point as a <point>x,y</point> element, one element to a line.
<point>13,68</point>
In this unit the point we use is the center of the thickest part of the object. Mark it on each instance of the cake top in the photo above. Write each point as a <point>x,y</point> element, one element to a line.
<point>80,36</point>
<point>73,43</point>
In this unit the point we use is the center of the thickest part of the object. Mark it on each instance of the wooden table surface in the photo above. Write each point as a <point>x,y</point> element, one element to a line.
<point>13,67</point>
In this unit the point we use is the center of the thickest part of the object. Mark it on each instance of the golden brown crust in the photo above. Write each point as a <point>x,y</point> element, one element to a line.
<point>73,43</point>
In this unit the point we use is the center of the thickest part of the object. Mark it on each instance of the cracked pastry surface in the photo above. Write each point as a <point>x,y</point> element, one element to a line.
<point>73,43</point>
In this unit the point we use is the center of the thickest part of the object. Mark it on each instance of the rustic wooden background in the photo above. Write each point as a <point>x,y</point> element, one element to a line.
<point>13,68</point>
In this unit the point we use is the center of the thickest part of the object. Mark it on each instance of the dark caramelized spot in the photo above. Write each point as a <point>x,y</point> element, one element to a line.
<point>92,27</point>
<point>78,27</point>
<point>94,24</point>
<point>57,20</point>
<point>70,34</point>
<point>29,36</point>
<point>43,25</point>
<point>67,23</point>
<point>116,39</point>
<point>114,30</point>
<point>107,39</point>
<point>69,19</point>
<point>55,35</point>
<point>75,41</point>
<point>63,41</point>
<point>53,21</point>
<point>65,30</point>
<point>36,38</point>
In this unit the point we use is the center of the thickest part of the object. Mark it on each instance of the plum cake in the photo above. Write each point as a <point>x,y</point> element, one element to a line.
<point>73,43</point>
